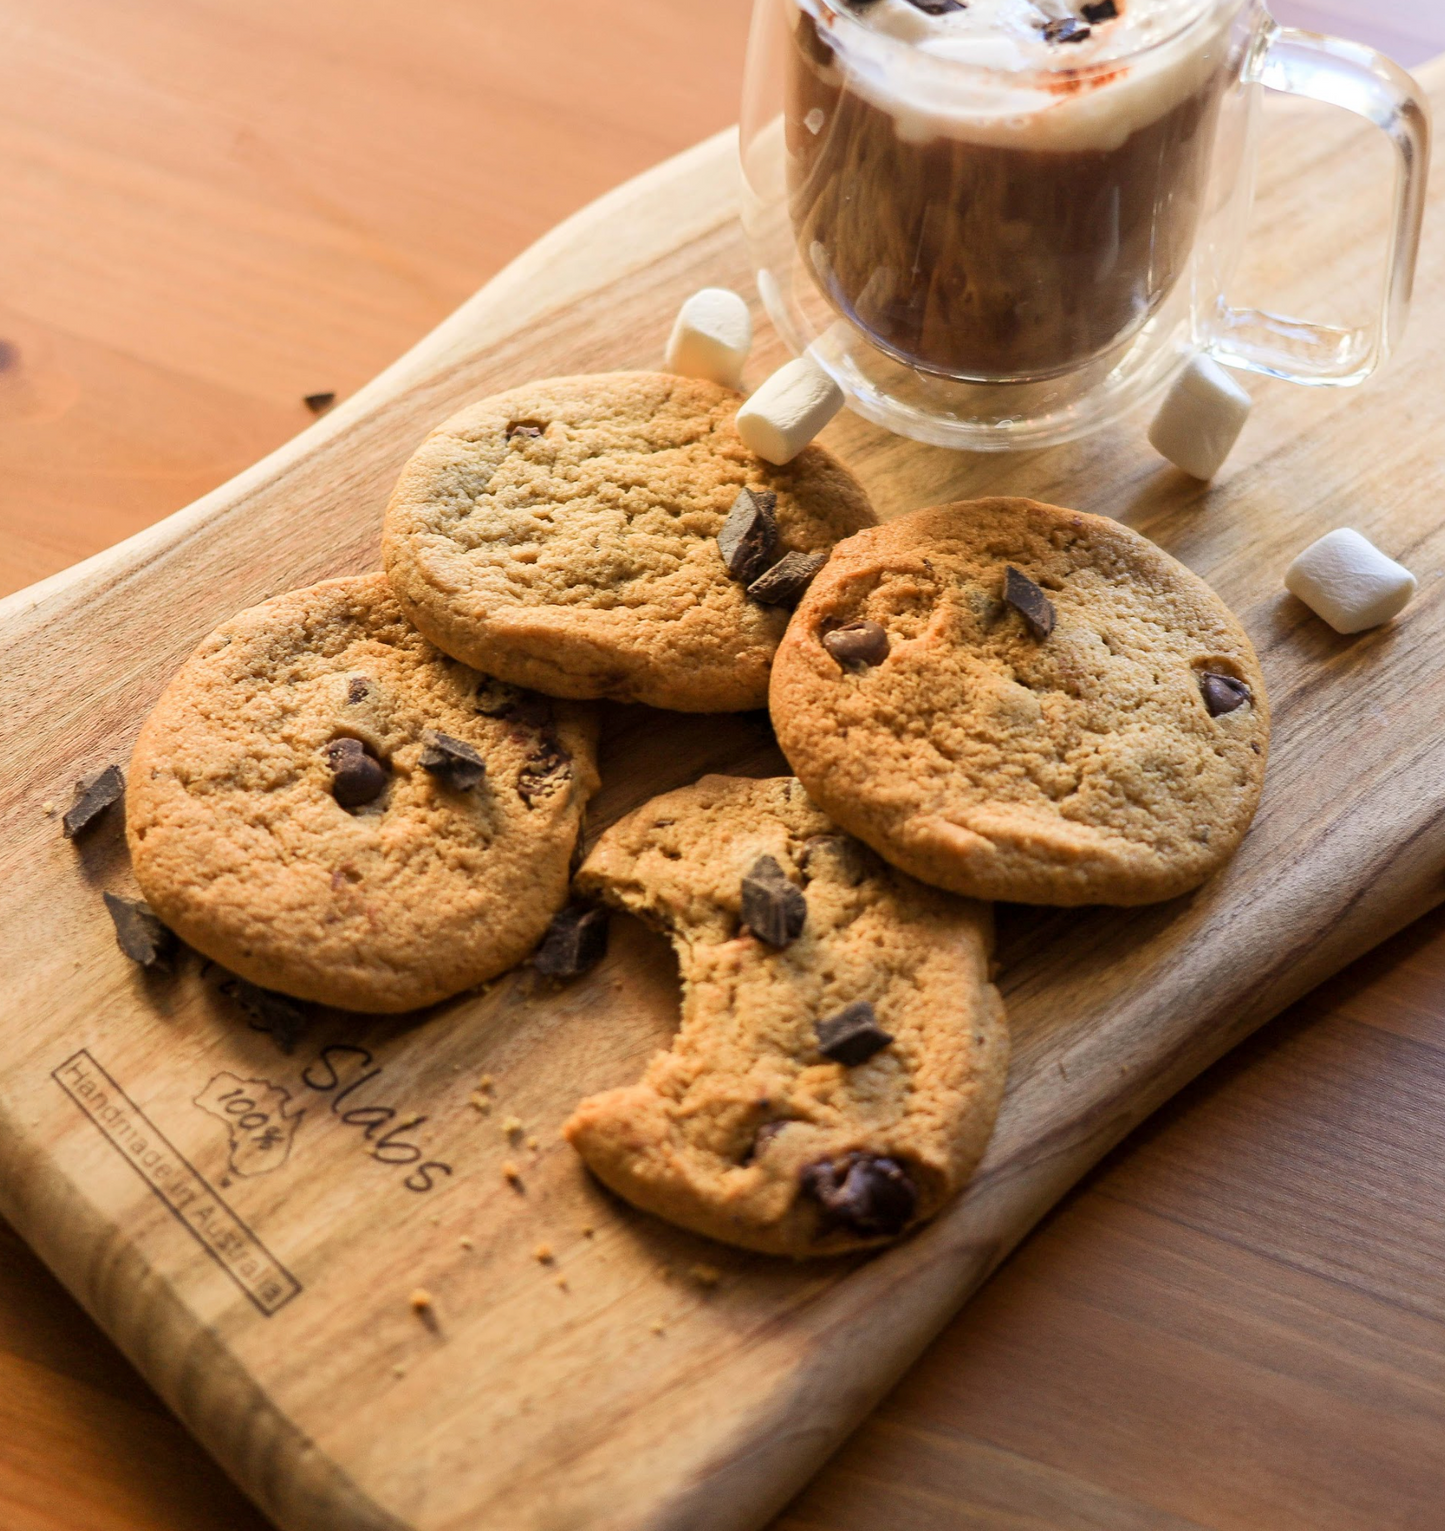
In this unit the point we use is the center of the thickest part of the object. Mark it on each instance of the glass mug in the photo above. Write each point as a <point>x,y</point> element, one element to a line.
<point>997,258</point>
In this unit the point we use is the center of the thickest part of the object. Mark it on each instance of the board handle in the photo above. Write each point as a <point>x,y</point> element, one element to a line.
<point>1356,77</point>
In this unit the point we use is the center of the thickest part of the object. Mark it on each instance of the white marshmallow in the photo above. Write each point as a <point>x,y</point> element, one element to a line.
<point>1348,581</point>
<point>1201,419</point>
<point>784,415</point>
<point>712,337</point>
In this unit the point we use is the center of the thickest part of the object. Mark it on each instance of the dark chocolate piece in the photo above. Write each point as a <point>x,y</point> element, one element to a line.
<point>453,762</point>
<point>938,7</point>
<point>576,941</point>
<point>140,935</point>
<point>1029,601</point>
<point>857,643</point>
<point>530,429</point>
<point>868,1194</point>
<point>319,403</point>
<point>1222,693</point>
<point>282,1019</point>
<point>785,582</point>
<point>853,1035</point>
<point>93,795</point>
<point>1100,10</point>
<point>774,909</point>
<point>357,777</point>
<point>748,540</point>
<point>356,689</point>
<point>548,768</point>
<point>1068,29</point>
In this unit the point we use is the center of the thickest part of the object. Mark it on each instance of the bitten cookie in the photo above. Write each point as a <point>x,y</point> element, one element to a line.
<point>842,1053</point>
<point>1019,702</point>
<point>565,536</point>
<point>325,804</point>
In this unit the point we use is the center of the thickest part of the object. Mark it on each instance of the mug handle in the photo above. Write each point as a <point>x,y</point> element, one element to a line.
<point>1363,81</point>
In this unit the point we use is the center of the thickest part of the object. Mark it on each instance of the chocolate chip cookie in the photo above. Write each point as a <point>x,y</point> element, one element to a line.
<point>565,536</point>
<point>842,1053</point>
<point>1020,702</point>
<point>329,806</point>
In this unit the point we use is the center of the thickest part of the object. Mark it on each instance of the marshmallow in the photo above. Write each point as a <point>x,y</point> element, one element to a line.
<point>712,337</point>
<point>1348,581</point>
<point>1201,419</point>
<point>784,415</point>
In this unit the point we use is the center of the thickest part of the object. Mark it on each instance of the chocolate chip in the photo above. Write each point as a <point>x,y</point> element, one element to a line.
<point>548,768</point>
<point>576,940</point>
<point>748,540</point>
<point>1222,693</point>
<point>938,7</point>
<point>1068,29</point>
<point>773,908</point>
<point>866,1193</point>
<point>319,403</point>
<point>857,643</point>
<point>93,795</point>
<point>528,429</point>
<point>140,935</point>
<point>1100,10</point>
<point>1029,601</point>
<point>280,1018</point>
<point>453,762</point>
<point>357,777</point>
<point>852,1036</point>
<point>356,689</point>
<point>785,582</point>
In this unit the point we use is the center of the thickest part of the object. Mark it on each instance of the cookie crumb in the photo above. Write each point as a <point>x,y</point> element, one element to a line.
<point>588,1230</point>
<point>479,1103</point>
<point>398,1371</point>
<point>485,1082</point>
<point>511,1173</point>
<point>543,1254</point>
<point>705,1275</point>
<point>48,808</point>
<point>532,1143</point>
<point>421,1301</point>
<point>561,1284</point>
<point>659,1327</point>
<point>512,1127</point>
<point>466,1243</point>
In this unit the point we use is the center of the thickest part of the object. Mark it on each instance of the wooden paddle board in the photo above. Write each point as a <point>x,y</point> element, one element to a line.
<point>253,1225</point>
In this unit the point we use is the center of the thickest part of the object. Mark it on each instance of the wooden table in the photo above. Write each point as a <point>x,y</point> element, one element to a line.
<point>214,209</point>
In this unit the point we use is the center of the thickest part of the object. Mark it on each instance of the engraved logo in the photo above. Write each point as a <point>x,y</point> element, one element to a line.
<point>255,1115</point>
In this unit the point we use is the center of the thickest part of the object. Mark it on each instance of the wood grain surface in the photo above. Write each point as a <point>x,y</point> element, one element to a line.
<point>1186,1343</point>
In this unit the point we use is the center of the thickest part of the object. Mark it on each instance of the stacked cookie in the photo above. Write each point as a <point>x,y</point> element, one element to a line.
<point>369,793</point>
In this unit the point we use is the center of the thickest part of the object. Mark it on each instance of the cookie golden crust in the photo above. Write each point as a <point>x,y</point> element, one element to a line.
<point>1096,764</point>
<point>563,536</point>
<point>746,1130</point>
<point>239,842</point>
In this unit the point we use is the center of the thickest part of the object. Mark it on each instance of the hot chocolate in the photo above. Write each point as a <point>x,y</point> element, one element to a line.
<point>1007,189</point>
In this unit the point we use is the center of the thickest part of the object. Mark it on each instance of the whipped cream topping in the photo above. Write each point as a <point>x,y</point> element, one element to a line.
<point>1035,73</point>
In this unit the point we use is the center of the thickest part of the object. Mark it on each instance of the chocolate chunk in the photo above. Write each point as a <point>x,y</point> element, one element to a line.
<point>356,689</point>
<point>748,540</point>
<point>528,429</point>
<point>1222,693</point>
<point>576,940</point>
<point>773,908</point>
<point>852,1036</point>
<point>357,777</point>
<point>548,768</point>
<point>1067,29</point>
<point>857,643</point>
<point>453,762</point>
<point>280,1018</point>
<point>785,582</point>
<point>1100,10</point>
<point>938,7</point>
<point>93,795</point>
<point>1029,601</point>
<point>140,935</point>
<point>319,403</point>
<point>865,1193</point>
